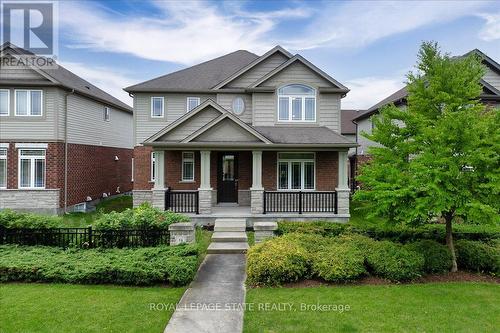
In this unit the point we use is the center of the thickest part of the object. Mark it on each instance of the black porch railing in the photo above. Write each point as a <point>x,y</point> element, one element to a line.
<point>300,202</point>
<point>182,201</point>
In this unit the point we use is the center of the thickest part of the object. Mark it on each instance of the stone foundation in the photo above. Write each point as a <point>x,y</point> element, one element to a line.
<point>36,201</point>
<point>257,201</point>
<point>182,233</point>
<point>264,230</point>
<point>158,198</point>
<point>343,201</point>
<point>141,196</point>
<point>205,201</point>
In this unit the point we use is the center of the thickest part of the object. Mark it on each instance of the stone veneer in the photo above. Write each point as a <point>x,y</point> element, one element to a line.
<point>41,201</point>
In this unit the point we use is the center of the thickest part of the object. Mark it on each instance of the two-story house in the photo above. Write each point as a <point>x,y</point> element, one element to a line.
<point>243,135</point>
<point>490,96</point>
<point>63,141</point>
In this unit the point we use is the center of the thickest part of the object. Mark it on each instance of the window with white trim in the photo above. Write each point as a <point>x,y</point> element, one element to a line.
<point>191,103</point>
<point>132,177</point>
<point>157,107</point>
<point>107,113</point>
<point>187,166</point>
<point>153,166</point>
<point>4,102</point>
<point>3,168</point>
<point>296,102</point>
<point>29,102</point>
<point>31,168</point>
<point>296,171</point>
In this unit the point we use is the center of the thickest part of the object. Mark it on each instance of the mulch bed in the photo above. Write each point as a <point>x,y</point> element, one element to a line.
<point>460,276</point>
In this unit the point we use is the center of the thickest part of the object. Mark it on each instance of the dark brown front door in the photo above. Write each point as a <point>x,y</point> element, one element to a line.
<point>227,171</point>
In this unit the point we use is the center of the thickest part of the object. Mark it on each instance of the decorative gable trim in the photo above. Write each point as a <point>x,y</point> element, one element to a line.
<point>488,86</point>
<point>315,69</point>
<point>253,64</point>
<point>15,53</point>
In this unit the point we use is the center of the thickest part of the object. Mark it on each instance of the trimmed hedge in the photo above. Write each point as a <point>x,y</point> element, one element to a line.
<point>176,265</point>
<point>478,256</point>
<point>339,263</point>
<point>437,257</point>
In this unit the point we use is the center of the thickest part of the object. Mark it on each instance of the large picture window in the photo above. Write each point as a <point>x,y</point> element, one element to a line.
<point>296,171</point>
<point>31,168</point>
<point>3,168</point>
<point>28,102</point>
<point>187,166</point>
<point>297,102</point>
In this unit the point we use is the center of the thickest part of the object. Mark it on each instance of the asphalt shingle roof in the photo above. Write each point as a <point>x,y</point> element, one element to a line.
<point>302,135</point>
<point>346,124</point>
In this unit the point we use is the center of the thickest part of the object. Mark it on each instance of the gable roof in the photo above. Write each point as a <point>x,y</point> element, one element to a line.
<point>397,98</point>
<point>486,60</point>
<point>346,124</point>
<point>304,61</point>
<point>253,64</point>
<point>60,76</point>
<point>198,77</point>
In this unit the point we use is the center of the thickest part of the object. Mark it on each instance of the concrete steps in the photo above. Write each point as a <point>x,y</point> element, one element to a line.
<point>229,237</point>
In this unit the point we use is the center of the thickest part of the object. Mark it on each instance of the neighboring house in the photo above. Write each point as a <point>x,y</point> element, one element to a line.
<point>243,135</point>
<point>490,96</point>
<point>348,129</point>
<point>63,141</point>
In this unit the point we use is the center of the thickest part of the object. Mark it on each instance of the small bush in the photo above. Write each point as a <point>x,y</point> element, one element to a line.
<point>12,219</point>
<point>478,257</point>
<point>276,261</point>
<point>394,262</point>
<point>360,242</point>
<point>339,263</point>
<point>437,257</point>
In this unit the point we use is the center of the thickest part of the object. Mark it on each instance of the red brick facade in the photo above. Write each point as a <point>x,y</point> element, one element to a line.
<point>92,170</point>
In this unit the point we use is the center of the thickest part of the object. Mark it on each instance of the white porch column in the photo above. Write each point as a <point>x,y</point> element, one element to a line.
<point>159,186</point>
<point>342,188</point>
<point>257,191</point>
<point>205,190</point>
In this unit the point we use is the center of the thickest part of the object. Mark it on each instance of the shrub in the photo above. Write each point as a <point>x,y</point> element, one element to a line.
<point>12,219</point>
<point>394,261</point>
<point>276,261</point>
<point>360,242</point>
<point>339,263</point>
<point>437,257</point>
<point>478,257</point>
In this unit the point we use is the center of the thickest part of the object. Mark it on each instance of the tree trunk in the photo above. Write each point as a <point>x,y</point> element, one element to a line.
<point>449,241</point>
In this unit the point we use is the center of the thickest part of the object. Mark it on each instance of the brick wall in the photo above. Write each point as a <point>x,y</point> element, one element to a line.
<point>142,168</point>
<point>269,170</point>
<point>245,170</point>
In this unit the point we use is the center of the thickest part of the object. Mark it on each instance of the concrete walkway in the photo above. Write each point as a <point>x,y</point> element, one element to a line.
<point>214,301</point>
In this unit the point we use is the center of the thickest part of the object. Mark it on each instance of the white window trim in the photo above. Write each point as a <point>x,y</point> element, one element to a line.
<point>289,162</point>
<point>32,146</point>
<point>152,166</point>
<point>162,106</point>
<point>132,177</point>
<point>290,98</point>
<point>8,103</point>
<point>107,113</point>
<point>4,157</point>
<point>29,103</point>
<point>188,159</point>
<point>187,103</point>
<point>32,178</point>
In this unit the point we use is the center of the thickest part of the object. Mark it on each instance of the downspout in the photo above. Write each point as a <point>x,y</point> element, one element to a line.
<point>66,151</point>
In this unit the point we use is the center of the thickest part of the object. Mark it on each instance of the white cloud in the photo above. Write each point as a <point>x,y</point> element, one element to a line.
<point>367,91</point>
<point>107,79</point>
<point>491,30</point>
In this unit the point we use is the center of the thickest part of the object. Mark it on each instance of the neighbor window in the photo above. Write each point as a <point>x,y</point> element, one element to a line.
<point>187,166</point>
<point>157,107</point>
<point>28,102</point>
<point>296,102</point>
<point>107,113</point>
<point>31,168</point>
<point>192,102</point>
<point>3,168</point>
<point>296,171</point>
<point>4,102</point>
<point>153,166</point>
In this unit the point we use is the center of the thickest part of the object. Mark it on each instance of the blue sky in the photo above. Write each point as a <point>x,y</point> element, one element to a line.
<point>368,46</point>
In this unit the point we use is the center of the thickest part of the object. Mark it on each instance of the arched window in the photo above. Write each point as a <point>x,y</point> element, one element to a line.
<point>296,102</point>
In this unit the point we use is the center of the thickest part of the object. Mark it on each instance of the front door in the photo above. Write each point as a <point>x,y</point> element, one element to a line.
<point>227,181</point>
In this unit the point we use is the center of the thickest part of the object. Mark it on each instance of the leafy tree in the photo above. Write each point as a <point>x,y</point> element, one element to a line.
<point>439,156</point>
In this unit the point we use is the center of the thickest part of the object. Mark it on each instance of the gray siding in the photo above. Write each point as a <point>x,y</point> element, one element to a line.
<point>193,124</point>
<point>18,73</point>
<point>264,109</point>
<point>328,111</point>
<point>86,124</point>
<point>258,71</point>
<point>492,78</point>
<point>175,107</point>
<point>226,131</point>
<point>226,101</point>
<point>297,73</point>
<point>364,126</point>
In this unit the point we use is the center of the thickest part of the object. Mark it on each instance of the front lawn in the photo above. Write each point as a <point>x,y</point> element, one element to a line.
<point>433,307</point>
<point>81,308</point>
<point>118,204</point>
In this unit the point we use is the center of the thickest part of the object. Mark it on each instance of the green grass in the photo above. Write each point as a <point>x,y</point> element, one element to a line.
<point>434,307</point>
<point>251,238</point>
<point>203,239</point>
<point>79,308</point>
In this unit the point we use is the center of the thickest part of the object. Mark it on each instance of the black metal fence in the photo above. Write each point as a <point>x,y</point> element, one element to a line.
<point>300,202</point>
<point>84,237</point>
<point>182,201</point>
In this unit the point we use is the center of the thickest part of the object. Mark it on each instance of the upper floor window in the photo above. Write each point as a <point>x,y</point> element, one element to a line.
<point>192,102</point>
<point>238,105</point>
<point>4,102</point>
<point>157,107</point>
<point>107,112</point>
<point>28,102</point>
<point>296,102</point>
